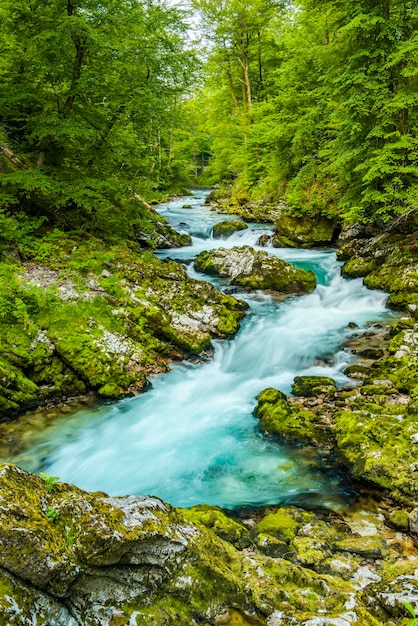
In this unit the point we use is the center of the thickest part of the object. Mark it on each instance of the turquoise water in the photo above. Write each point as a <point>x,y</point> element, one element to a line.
<point>192,438</point>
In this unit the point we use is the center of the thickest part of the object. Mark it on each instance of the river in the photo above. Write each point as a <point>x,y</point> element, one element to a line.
<point>192,438</point>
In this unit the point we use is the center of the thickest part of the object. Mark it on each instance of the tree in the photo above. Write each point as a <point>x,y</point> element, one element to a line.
<point>88,94</point>
<point>239,36</point>
<point>376,93</point>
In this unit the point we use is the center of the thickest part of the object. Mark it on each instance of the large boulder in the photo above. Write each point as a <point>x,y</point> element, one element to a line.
<point>386,257</point>
<point>252,269</point>
<point>311,386</point>
<point>298,232</point>
<point>222,230</point>
<point>278,417</point>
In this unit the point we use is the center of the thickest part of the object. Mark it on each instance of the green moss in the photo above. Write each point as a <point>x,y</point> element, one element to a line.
<point>375,441</point>
<point>224,229</point>
<point>279,417</point>
<point>355,268</point>
<point>255,270</point>
<point>222,525</point>
<point>310,386</point>
<point>400,519</point>
<point>309,551</point>
<point>356,368</point>
<point>15,388</point>
<point>305,233</point>
<point>280,525</point>
<point>106,317</point>
<point>151,564</point>
<point>401,300</point>
<point>366,547</point>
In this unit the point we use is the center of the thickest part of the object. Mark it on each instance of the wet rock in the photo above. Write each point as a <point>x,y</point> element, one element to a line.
<point>386,258</point>
<point>310,386</point>
<point>222,230</point>
<point>248,268</point>
<point>279,417</point>
<point>266,241</point>
<point>156,232</point>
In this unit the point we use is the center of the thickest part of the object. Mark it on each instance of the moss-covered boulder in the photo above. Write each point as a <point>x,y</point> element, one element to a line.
<point>223,526</point>
<point>252,269</point>
<point>297,232</point>
<point>377,442</point>
<point>386,258</point>
<point>277,416</point>
<point>310,386</point>
<point>155,232</point>
<point>222,230</point>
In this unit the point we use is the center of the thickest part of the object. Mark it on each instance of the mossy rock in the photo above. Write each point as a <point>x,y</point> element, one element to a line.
<point>399,586</point>
<point>280,525</point>
<point>405,323</point>
<point>251,269</point>
<point>155,232</point>
<point>310,551</point>
<point>271,546</point>
<point>93,317</point>
<point>115,559</point>
<point>399,518</point>
<point>404,301</point>
<point>303,232</point>
<point>222,230</point>
<point>338,565</point>
<point>279,417</point>
<point>311,386</point>
<point>15,388</point>
<point>223,526</point>
<point>366,547</point>
<point>356,368</point>
<point>375,441</point>
<point>355,268</point>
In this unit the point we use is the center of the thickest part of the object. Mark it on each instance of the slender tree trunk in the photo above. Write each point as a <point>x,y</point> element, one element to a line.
<point>80,47</point>
<point>260,65</point>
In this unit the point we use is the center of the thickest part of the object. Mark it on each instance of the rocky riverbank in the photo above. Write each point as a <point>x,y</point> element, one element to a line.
<point>79,316</point>
<point>72,558</point>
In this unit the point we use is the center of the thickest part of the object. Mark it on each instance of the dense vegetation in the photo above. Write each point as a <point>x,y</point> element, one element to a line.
<point>101,105</point>
<point>316,103</point>
<point>89,95</point>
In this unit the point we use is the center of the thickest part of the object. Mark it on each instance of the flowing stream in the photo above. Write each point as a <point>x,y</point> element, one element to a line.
<point>192,438</point>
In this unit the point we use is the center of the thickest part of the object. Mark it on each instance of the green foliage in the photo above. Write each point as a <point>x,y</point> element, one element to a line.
<point>70,535</point>
<point>49,481</point>
<point>51,513</point>
<point>412,611</point>
<point>318,106</point>
<point>89,95</point>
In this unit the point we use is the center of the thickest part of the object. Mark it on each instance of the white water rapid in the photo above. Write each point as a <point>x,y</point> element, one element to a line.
<point>192,438</point>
